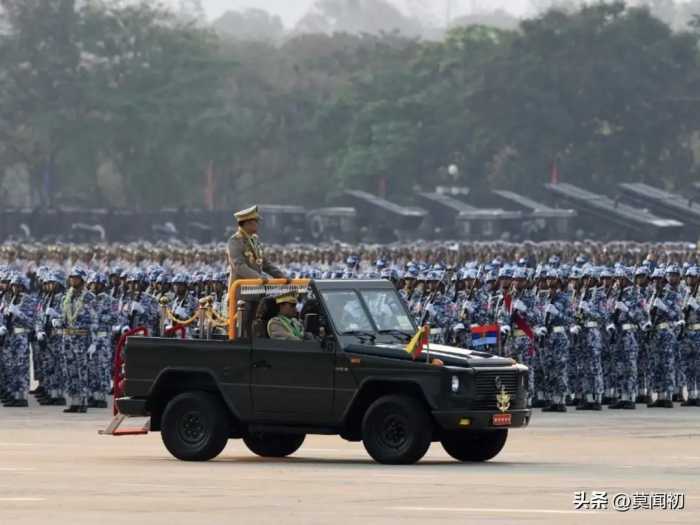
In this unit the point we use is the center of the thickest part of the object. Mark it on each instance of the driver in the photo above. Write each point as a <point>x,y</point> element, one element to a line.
<point>286,326</point>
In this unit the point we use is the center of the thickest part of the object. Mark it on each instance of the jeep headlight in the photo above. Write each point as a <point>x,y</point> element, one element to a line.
<point>455,384</point>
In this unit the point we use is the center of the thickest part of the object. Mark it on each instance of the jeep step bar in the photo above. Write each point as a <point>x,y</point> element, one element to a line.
<point>114,430</point>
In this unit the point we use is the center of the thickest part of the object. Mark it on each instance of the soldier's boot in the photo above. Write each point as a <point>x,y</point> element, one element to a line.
<point>676,398</point>
<point>539,403</point>
<point>73,409</point>
<point>17,403</point>
<point>628,405</point>
<point>100,403</point>
<point>57,402</point>
<point>643,399</point>
<point>82,409</point>
<point>689,403</point>
<point>571,401</point>
<point>616,405</point>
<point>666,403</point>
<point>91,402</point>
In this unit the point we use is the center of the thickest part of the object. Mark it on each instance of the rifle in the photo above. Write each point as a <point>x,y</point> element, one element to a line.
<point>686,312</point>
<point>433,295</point>
<point>8,319</point>
<point>616,314</point>
<point>547,318</point>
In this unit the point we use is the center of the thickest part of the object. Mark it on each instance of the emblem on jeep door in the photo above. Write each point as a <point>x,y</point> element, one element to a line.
<point>502,397</point>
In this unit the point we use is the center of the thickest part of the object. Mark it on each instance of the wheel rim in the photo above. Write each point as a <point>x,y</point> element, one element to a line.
<point>192,428</point>
<point>393,432</point>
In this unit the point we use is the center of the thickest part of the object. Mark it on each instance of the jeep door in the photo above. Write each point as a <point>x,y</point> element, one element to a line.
<point>292,381</point>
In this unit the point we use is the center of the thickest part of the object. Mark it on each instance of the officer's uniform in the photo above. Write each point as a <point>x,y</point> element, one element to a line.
<point>245,253</point>
<point>285,328</point>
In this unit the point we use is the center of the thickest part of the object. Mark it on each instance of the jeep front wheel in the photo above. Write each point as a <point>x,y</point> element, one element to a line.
<point>195,426</point>
<point>474,445</point>
<point>396,430</point>
<point>268,445</point>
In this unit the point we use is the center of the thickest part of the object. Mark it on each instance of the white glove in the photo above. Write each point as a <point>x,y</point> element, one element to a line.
<point>116,329</point>
<point>468,306</point>
<point>52,312</point>
<point>505,330</point>
<point>92,349</point>
<point>680,323</point>
<point>551,310</point>
<point>40,336</point>
<point>168,327</point>
<point>519,306</point>
<point>693,303</point>
<point>660,305</point>
<point>646,326</point>
<point>431,309</point>
<point>619,305</point>
<point>610,328</point>
<point>585,306</point>
<point>540,331</point>
<point>575,330</point>
<point>125,329</point>
<point>56,323</point>
<point>458,327</point>
<point>14,309</point>
<point>136,307</point>
<point>3,331</point>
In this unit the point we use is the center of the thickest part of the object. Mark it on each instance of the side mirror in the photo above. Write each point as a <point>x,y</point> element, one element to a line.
<point>312,324</point>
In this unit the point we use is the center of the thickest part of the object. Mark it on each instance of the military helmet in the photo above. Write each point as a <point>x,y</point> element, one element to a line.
<point>78,271</point>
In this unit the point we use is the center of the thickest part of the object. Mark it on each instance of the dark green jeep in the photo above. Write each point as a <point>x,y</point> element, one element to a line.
<point>352,377</point>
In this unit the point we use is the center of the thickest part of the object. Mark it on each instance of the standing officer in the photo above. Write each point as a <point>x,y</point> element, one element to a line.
<point>690,337</point>
<point>78,319</point>
<point>245,253</point>
<point>100,352</point>
<point>18,323</point>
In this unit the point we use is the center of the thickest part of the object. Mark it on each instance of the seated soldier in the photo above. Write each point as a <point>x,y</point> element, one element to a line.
<point>286,326</point>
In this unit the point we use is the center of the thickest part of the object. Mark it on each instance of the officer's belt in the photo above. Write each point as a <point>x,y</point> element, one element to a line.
<point>57,332</point>
<point>20,331</point>
<point>74,331</point>
<point>591,324</point>
<point>102,334</point>
<point>519,333</point>
<point>693,327</point>
<point>663,326</point>
<point>627,327</point>
<point>558,330</point>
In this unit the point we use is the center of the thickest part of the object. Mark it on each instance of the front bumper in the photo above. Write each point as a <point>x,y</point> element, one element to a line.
<point>479,419</point>
<point>132,407</point>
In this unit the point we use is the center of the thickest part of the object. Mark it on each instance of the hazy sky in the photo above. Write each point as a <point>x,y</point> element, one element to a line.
<point>292,10</point>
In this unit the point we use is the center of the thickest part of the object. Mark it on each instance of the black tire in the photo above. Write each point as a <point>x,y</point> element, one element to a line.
<point>397,430</point>
<point>474,445</point>
<point>195,426</point>
<point>268,445</point>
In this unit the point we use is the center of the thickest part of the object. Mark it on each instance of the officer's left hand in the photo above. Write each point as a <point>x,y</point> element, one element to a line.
<point>3,331</point>
<point>519,306</point>
<point>92,349</point>
<point>505,330</point>
<point>136,307</point>
<point>693,303</point>
<point>14,309</point>
<point>575,330</point>
<point>551,310</point>
<point>680,323</point>
<point>610,328</point>
<point>658,303</point>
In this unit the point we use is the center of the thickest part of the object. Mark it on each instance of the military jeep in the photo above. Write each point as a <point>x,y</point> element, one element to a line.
<point>351,377</point>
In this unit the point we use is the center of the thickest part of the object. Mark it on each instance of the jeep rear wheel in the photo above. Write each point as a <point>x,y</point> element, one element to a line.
<point>269,445</point>
<point>474,445</point>
<point>195,426</point>
<point>396,430</point>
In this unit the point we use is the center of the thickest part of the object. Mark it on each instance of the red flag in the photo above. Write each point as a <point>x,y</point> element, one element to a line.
<point>554,173</point>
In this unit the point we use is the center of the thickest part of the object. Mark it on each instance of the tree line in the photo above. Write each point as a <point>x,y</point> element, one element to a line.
<point>131,105</point>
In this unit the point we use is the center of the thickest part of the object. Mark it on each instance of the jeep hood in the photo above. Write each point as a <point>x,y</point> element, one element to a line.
<point>450,355</point>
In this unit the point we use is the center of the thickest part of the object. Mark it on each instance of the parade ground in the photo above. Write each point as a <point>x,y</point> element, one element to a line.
<point>55,468</point>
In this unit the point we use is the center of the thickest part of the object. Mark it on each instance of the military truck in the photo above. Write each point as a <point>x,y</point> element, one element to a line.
<point>351,376</point>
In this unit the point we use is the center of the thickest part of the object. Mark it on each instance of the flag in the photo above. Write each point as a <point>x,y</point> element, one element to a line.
<point>418,341</point>
<point>485,335</point>
<point>554,173</point>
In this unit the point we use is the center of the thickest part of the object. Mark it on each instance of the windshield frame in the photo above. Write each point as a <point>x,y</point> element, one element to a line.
<point>368,313</point>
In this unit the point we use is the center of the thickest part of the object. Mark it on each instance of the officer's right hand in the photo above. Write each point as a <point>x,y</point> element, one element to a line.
<point>56,323</point>
<point>52,312</point>
<point>693,303</point>
<point>125,329</point>
<point>3,331</point>
<point>540,331</point>
<point>646,326</point>
<point>505,330</point>
<point>41,336</point>
<point>519,306</point>
<point>610,328</point>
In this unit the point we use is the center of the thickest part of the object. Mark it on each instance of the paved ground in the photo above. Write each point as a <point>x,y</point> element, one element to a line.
<point>55,468</point>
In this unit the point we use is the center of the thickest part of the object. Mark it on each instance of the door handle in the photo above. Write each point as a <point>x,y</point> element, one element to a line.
<point>261,364</point>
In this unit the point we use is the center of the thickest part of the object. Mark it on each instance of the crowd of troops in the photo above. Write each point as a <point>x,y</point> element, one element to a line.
<point>597,324</point>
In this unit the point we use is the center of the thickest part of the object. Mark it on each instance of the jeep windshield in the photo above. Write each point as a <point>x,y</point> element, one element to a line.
<point>367,313</point>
